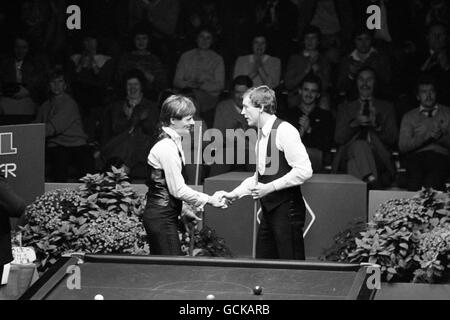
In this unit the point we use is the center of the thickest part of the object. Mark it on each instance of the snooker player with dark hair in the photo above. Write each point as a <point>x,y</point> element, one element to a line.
<point>280,234</point>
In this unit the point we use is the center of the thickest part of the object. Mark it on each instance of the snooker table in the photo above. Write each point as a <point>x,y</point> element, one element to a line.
<point>127,277</point>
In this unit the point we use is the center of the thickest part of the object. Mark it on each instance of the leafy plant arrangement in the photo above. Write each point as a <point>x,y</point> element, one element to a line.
<point>408,238</point>
<point>203,242</point>
<point>104,215</point>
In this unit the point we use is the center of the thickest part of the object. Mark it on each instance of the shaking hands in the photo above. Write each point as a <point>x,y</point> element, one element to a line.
<point>217,201</point>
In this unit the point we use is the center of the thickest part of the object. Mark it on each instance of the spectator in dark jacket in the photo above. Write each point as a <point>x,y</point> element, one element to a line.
<point>315,125</point>
<point>20,80</point>
<point>129,124</point>
<point>66,140</point>
<point>364,55</point>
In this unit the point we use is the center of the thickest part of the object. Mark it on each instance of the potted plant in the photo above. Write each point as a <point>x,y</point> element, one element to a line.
<point>408,238</point>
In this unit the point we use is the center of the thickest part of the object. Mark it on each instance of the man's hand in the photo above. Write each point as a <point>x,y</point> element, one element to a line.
<point>363,121</point>
<point>229,197</point>
<point>261,190</point>
<point>304,122</point>
<point>436,133</point>
<point>22,93</point>
<point>217,201</point>
<point>189,214</point>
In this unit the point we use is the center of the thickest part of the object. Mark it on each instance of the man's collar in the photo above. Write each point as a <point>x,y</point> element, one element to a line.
<point>370,99</point>
<point>422,108</point>
<point>172,133</point>
<point>268,126</point>
<point>355,55</point>
<point>264,58</point>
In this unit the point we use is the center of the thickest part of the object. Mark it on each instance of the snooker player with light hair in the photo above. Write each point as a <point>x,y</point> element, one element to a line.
<point>280,234</point>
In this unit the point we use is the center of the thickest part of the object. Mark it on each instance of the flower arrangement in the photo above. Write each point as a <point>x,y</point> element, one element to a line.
<point>408,238</point>
<point>104,215</point>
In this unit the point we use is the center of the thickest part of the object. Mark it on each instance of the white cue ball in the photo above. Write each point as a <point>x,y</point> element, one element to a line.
<point>210,297</point>
<point>99,297</point>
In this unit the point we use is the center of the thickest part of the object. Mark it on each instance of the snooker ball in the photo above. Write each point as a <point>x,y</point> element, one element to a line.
<point>98,297</point>
<point>257,290</point>
<point>210,297</point>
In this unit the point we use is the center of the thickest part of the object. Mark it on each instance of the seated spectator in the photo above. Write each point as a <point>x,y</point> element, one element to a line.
<point>425,139</point>
<point>20,89</point>
<point>202,71</point>
<point>435,60</point>
<point>328,18</point>
<point>201,13</point>
<point>366,131</point>
<point>11,206</point>
<point>315,125</point>
<point>229,117</point>
<point>439,12</point>
<point>91,75</point>
<point>162,18</point>
<point>128,125</point>
<point>364,55</point>
<point>66,141</point>
<point>278,19</point>
<point>262,68</point>
<point>309,61</point>
<point>149,64</point>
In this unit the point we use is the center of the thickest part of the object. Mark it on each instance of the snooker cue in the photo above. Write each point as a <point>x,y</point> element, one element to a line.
<point>197,166</point>
<point>255,205</point>
<point>197,178</point>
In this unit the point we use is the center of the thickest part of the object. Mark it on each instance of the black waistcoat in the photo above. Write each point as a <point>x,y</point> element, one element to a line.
<point>274,199</point>
<point>158,194</point>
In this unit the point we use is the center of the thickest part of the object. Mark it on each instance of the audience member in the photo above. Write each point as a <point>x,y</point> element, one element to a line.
<point>91,75</point>
<point>111,27</point>
<point>326,18</point>
<point>436,61</point>
<point>162,16</point>
<point>278,20</point>
<point>425,139</point>
<point>20,76</point>
<point>315,125</point>
<point>262,68</point>
<point>229,117</point>
<point>128,126</point>
<point>364,55</point>
<point>66,140</point>
<point>438,12</point>
<point>202,71</point>
<point>143,59</point>
<point>366,133</point>
<point>309,61</point>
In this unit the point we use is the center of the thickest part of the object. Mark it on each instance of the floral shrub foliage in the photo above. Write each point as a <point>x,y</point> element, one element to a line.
<point>408,238</point>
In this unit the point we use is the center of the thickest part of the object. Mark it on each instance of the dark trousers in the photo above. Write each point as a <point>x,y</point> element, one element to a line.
<point>280,234</point>
<point>161,225</point>
<point>60,159</point>
<point>427,169</point>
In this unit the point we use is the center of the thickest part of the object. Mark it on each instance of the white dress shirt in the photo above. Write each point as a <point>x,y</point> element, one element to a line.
<point>165,156</point>
<point>287,141</point>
